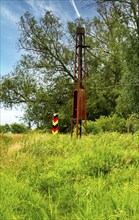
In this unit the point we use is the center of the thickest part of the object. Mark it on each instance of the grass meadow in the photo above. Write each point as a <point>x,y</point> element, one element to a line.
<point>51,177</point>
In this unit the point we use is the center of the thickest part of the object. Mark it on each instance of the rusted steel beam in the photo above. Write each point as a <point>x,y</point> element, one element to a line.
<point>79,115</point>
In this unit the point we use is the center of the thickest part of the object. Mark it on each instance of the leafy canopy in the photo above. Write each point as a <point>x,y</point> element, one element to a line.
<point>42,80</point>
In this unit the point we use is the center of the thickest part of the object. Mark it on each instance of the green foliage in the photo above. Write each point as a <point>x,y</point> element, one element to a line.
<point>111,123</point>
<point>43,77</point>
<point>18,200</point>
<point>53,177</point>
<point>14,128</point>
<point>5,128</point>
<point>18,87</point>
<point>93,128</point>
<point>18,128</point>
<point>114,123</point>
<point>133,123</point>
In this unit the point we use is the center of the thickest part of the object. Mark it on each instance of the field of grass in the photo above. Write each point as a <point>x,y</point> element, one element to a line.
<point>46,177</point>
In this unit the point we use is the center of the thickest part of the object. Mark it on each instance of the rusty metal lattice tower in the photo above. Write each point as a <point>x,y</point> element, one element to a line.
<point>79,115</point>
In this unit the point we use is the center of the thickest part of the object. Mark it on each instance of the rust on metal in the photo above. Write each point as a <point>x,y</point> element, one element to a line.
<point>79,115</point>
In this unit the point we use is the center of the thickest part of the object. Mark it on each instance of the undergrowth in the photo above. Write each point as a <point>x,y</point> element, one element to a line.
<point>46,177</point>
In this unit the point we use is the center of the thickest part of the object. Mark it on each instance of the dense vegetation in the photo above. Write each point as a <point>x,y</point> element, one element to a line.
<point>113,123</point>
<point>46,177</point>
<point>14,128</point>
<point>42,80</point>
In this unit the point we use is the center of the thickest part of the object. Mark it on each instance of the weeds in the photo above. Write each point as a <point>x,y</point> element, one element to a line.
<point>46,177</point>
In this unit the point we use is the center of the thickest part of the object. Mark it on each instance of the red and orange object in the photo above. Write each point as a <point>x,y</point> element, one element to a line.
<point>55,123</point>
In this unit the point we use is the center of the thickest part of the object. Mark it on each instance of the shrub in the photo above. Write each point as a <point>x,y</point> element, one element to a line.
<point>133,123</point>
<point>5,128</point>
<point>92,127</point>
<point>14,128</point>
<point>19,128</point>
<point>111,123</point>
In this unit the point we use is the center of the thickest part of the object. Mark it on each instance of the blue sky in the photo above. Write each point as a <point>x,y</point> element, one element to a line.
<point>10,12</point>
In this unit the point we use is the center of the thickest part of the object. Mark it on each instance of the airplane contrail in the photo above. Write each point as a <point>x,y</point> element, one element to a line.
<point>75,7</point>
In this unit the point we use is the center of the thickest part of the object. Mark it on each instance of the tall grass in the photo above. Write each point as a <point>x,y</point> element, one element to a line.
<point>46,177</point>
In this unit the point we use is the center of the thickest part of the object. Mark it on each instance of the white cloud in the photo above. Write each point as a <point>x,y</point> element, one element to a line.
<point>6,14</point>
<point>30,3</point>
<point>39,8</point>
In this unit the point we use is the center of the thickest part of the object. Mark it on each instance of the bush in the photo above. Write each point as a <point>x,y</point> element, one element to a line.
<point>111,123</point>
<point>19,128</point>
<point>133,123</point>
<point>92,127</point>
<point>5,128</point>
<point>14,128</point>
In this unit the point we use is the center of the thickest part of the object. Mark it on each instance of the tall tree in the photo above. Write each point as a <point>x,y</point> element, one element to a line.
<point>127,15</point>
<point>42,79</point>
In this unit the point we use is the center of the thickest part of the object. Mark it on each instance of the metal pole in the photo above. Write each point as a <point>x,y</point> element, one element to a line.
<point>79,88</point>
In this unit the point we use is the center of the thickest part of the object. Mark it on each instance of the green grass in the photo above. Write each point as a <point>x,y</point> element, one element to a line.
<point>46,177</point>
